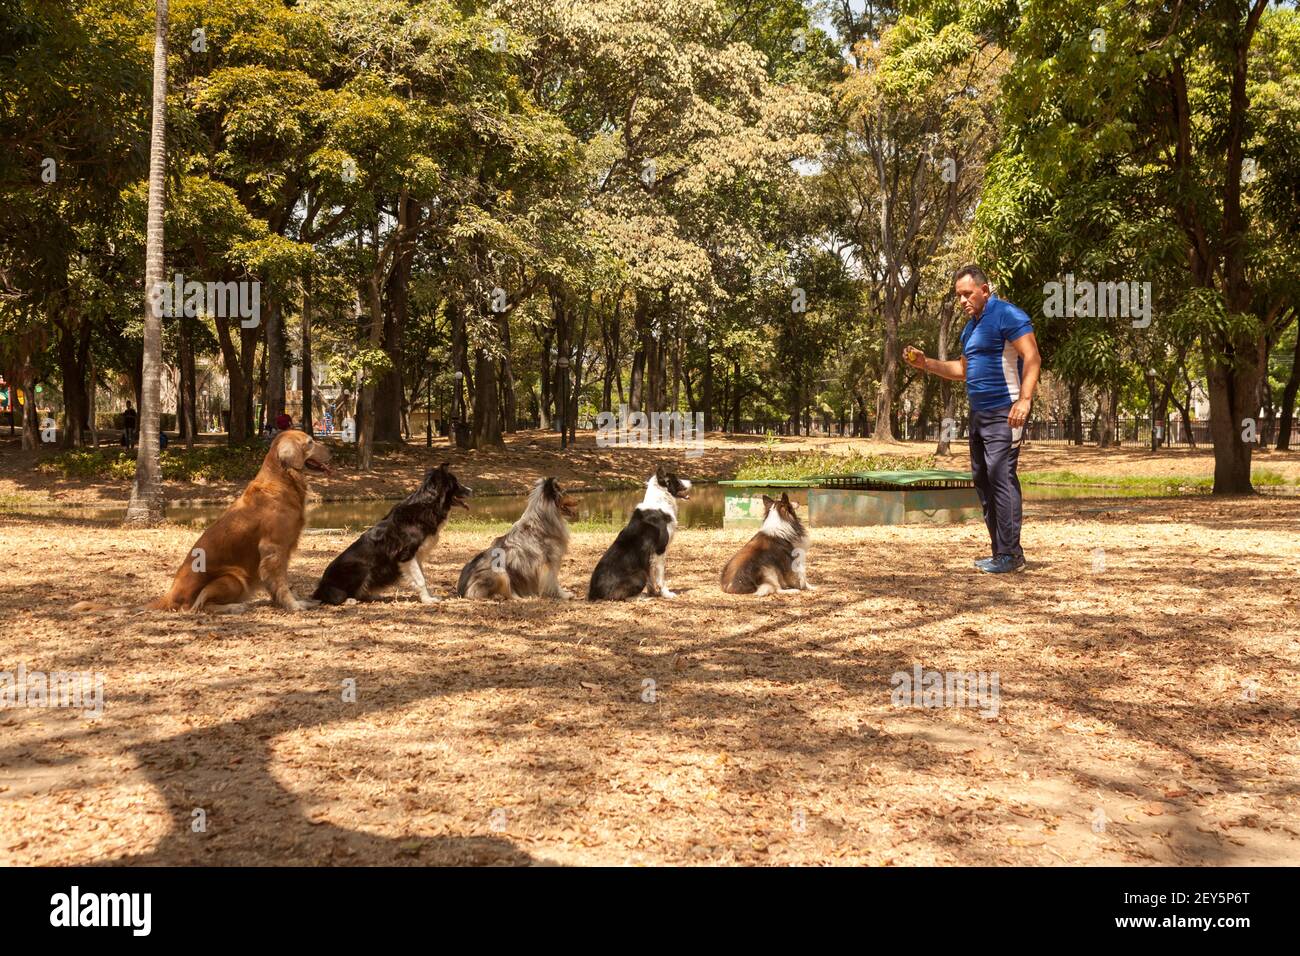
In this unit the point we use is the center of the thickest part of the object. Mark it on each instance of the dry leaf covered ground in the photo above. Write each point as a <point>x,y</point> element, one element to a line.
<point>1147,710</point>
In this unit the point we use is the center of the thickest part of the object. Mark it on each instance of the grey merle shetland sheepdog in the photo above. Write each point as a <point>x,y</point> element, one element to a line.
<point>775,559</point>
<point>635,561</point>
<point>525,561</point>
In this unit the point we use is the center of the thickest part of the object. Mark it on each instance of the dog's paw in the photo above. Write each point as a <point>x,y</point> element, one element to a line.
<point>566,595</point>
<point>668,594</point>
<point>227,608</point>
<point>428,599</point>
<point>308,604</point>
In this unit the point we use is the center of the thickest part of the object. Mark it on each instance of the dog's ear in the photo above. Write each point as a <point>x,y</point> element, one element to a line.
<point>292,453</point>
<point>443,467</point>
<point>661,474</point>
<point>767,502</point>
<point>551,489</point>
<point>785,498</point>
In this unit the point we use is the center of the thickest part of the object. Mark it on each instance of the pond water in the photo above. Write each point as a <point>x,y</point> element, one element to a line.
<point>703,509</point>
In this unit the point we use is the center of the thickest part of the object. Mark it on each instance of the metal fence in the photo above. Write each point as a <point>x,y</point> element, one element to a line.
<point>1132,432</point>
<point>1129,431</point>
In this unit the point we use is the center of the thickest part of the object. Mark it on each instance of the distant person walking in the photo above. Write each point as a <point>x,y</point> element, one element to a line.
<point>1000,365</point>
<point>129,421</point>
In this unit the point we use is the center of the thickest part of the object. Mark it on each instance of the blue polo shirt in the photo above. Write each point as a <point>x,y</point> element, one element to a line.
<point>993,368</point>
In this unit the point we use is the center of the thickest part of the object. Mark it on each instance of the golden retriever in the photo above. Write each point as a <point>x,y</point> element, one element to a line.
<point>249,546</point>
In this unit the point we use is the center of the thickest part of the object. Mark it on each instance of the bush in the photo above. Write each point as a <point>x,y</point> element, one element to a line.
<point>206,463</point>
<point>113,421</point>
<point>773,466</point>
<point>85,463</point>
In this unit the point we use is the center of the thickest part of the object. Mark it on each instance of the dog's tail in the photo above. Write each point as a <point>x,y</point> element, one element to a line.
<point>103,607</point>
<point>167,602</point>
<point>329,594</point>
<point>467,574</point>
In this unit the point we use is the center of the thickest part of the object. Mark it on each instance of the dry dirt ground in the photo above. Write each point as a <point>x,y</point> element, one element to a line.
<point>530,455</point>
<point>1147,664</point>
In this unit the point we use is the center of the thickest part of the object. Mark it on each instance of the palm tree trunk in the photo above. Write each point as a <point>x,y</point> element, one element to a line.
<point>146,505</point>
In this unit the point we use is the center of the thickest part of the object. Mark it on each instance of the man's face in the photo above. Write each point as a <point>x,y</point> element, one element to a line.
<point>973,295</point>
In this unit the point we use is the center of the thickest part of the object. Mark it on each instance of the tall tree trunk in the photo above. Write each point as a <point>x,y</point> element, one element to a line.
<point>562,317</point>
<point>92,402</point>
<point>1104,421</point>
<point>675,402</point>
<point>707,386</point>
<point>308,413</point>
<point>239,376</point>
<point>546,381</point>
<point>1076,413</point>
<point>146,504</point>
<point>947,398</point>
<point>389,388</point>
<point>885,413</point>
<point>186,413</point>
<point>31,420</point>
<point>862,421</point>
<point>487,413</point>
<point>1287,418</point>
<point>576,393</point>
<point>1234,398</point>
<point>737,396</point>
<point>74,357</point>
<point>388,384</point>
<point>461,434</point>
<point>273,394</point>
<point>1184,413</point>
<point>509,404</point>
<point>366,435</point>
<point>261,419</point>
<point>929,387</point>
<point>641,332</point>
<point>610,335</point>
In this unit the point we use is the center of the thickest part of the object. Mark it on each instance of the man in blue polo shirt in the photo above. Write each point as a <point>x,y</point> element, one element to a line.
<point>1000,365</point>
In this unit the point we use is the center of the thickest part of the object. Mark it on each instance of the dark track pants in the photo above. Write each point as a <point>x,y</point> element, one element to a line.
<point>994,457</point>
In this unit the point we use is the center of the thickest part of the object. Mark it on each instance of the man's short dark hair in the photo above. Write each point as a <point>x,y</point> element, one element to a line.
<point>972,270</point>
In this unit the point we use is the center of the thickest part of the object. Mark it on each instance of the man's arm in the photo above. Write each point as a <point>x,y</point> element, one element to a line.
<point>1027,348</point>
<point>954,369</point>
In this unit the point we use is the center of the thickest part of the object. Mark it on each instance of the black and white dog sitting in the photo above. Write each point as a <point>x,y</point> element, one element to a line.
<point>394,546</point>
<point>635,561</point>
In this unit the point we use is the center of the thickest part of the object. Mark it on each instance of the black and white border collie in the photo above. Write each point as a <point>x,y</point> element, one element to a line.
<point>775,559</point>
<point>635,561</point>
<point>394,546</point>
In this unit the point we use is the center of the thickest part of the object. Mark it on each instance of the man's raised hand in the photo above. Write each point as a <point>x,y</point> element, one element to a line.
<point>914,357</point>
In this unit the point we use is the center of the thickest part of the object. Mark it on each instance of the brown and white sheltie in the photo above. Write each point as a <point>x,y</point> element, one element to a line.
<point>775,559</point>
<point>525,561</point>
